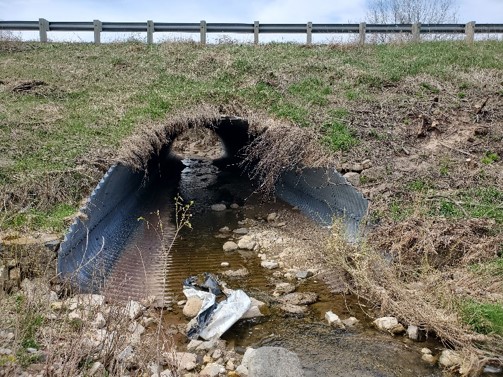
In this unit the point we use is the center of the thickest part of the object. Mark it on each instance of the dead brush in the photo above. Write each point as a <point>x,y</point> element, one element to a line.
<point>428,300</point>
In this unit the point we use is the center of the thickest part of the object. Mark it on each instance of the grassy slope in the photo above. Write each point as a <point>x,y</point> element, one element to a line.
<point>363,102</point>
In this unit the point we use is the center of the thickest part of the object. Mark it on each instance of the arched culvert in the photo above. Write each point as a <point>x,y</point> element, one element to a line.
<point>96,242</point>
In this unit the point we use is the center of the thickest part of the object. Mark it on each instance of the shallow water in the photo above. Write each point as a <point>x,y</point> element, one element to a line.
<point>323,350</point>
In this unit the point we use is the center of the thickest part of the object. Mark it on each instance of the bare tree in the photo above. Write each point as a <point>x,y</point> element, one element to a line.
<point>411,11</point>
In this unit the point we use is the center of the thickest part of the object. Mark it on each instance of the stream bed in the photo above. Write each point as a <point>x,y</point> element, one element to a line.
<point>323,350</point>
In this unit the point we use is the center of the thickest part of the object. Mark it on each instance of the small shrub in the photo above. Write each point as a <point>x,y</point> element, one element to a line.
<point>490,157</point>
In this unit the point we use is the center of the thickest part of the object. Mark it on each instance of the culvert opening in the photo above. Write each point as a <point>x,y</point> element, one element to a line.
<point>109,247</point>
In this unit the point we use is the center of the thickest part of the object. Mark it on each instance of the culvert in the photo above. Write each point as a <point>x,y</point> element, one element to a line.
<point>97,252</point>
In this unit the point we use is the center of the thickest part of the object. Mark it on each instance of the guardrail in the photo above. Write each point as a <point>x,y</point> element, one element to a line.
<point>202,28</point>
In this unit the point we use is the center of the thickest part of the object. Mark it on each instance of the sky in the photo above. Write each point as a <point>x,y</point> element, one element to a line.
<point>272,11</point>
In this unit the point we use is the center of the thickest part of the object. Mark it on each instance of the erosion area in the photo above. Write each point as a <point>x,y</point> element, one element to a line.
<point>417,128</point>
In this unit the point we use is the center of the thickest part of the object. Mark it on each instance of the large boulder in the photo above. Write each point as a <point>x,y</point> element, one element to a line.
<point>274,362</point>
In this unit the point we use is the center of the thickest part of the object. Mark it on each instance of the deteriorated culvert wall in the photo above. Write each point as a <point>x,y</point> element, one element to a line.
<point>96,240</point>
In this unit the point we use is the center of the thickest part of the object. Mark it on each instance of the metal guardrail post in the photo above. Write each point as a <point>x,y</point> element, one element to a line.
<point>362,32</point>
<point>256,27</point>
<point>309,31</point>
<point>202,28</point>
<point>150,32</point>
<point>97,31</point>
<point>43,26</point>
<point>416,32</point>
<point>470,32</point>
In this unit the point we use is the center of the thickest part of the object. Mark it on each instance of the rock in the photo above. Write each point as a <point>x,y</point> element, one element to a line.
<point>373,174</point>
<point>247,356</point>
<point>366,164</point>
<point>74,315</point>
<point>242,272</point>
<point>299,298</point>
<point>389,324</point>
<point>5,351</point>
<point>87,300</point>
<point>246,243</point>
<point>425,350</point>
<point>147,322</point>
<point>186,361</point>
<point>217,354</point>
<point>272,217</point>
<point>96,368</point>
<point>449,358</point>
<point>293,309</point>
<point>333,319</point>
<point>283,288</point>
<point>225,229</point>
<point>181,303</point>
<point>136,331</point>
<point>212,370</point>
<point>303,274</point>
<point>15,274</point>
<point>270,265</point>
<point>218,207</point>
<point>193,344</point>
<point>230,365</point>
<point>234,206</point>
<point>280,225</point>
<point>253,312</point>
<point>353,178</point>
<point>242,371</point>
<point>240,231</point>
<point>126,355</point>
<point>209,345</point>
<point>192,307</point>
<point>230,246</point>
<point>429,358</point>
<point>99,321</point>
<point>134,309</point>
<point>224,264</point>
<point>414,333</point>
<point>274,362</point>
<point>52,245</point>
<point>350,322</point>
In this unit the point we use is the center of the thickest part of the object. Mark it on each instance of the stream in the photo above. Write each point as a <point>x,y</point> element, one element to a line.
<point>323,350</point>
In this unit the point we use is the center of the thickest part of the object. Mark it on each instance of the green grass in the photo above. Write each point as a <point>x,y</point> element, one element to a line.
<point>96,96</point>
<point>51,220</point>
<point>484,318</point>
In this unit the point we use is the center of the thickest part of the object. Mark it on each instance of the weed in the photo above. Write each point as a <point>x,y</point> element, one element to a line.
<point>338,136</point>
<point>484,318</point>
<point>490,157</point>
<point>432,89</point>
<point>418,185</point>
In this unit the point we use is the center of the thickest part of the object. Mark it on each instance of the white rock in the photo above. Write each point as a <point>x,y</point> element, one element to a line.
<point>87,300</point>
<point>242,272</point>
<point>246,243</point>
<point>136,331</point>
<point>234,206</point>
<point>353,178</point>
<point>270,265</point>
<point>225,264</point>
<point>413,332</point>
<point>230,246</point>
<point>230,365</point>
<point>218,207</point>
<point>242,371</point>
<point>241,231</point>
<point>217,354</point>
<point>247,356</point>
<point>99,321</point>
<point>429,358</point>
<point>449,358</point>
<point>97,367</point>
<point>186,360</point>
<point>127,354</point>
<point>272,217</point>
<point>351,321</point>
<point>303,274</point>
<point>253,312</point>
<point>366,164</point>
<point>283,288</point>
<point>333,319</point>
<point>425,350</point>
<point>181,303</point>
<point>192,307</point>
<point>390,324</point>
<point>225,229</point>
<point>193,344</point>
<point>134,309</point>
<point>74,315</point>
<point>212,370</point>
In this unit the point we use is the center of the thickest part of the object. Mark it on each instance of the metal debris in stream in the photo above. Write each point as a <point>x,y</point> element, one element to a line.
<point>214,319</point>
